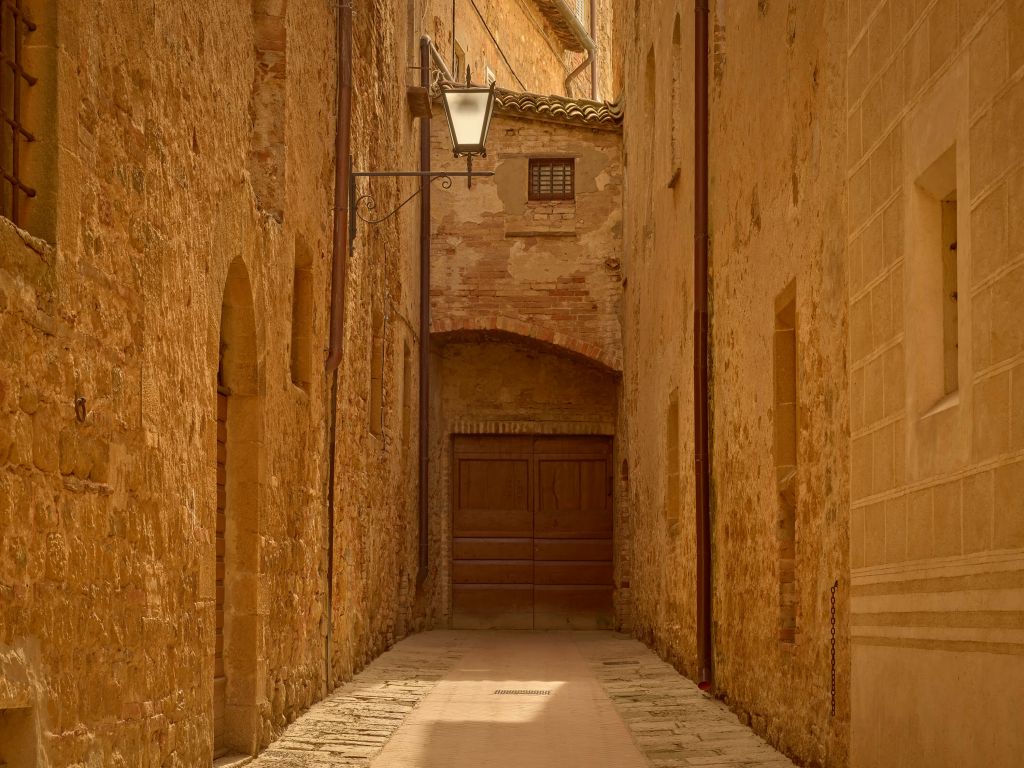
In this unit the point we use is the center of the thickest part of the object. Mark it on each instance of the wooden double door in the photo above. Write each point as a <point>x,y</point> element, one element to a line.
<point>532,533</point>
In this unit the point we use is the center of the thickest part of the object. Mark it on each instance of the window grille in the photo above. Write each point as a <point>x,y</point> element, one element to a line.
<point>553,179</point>
<point>14,24</point>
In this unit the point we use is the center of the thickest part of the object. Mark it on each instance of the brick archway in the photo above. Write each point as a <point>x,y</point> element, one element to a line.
<point>508,327</point>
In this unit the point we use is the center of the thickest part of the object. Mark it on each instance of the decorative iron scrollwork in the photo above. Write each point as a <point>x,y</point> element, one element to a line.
<point>368,202</point>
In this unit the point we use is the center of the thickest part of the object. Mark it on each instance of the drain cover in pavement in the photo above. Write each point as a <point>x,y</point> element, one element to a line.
<point>520,692</point>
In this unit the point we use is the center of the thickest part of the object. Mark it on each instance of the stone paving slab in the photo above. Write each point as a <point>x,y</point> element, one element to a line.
<point>675,723</point>
<point>352,725</point>
<point>670,721</point>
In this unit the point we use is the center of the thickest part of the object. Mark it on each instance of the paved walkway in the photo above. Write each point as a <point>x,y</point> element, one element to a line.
<point>519,700</point>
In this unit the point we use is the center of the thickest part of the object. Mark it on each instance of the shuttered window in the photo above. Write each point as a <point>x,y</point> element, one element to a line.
<point>553,179</point>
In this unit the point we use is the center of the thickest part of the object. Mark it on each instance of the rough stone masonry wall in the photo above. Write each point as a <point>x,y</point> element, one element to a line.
<point>656,311</point>
<point>107,509</point>
<point>777,215</point>
<point>937,520</point>
<point>531,56</point>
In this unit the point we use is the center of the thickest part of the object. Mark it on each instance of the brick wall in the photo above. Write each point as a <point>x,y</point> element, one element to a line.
<point>545,270</point>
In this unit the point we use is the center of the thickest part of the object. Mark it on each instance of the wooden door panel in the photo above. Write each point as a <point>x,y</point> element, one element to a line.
<point>493,498</point>
<point>572,607</point>
<point>572,549</point>
<point>573,573</point>
<point>572,499</point>
<point>486,606</point>
<point>532,533</point>
<point>493,549</point>
<point>492,572</point>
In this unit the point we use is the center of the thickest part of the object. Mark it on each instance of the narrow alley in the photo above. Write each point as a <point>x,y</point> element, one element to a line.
<point>511,383</point>
<point>471,699</point>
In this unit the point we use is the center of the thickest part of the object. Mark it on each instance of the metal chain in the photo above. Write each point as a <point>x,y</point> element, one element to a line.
<point>833,622</point>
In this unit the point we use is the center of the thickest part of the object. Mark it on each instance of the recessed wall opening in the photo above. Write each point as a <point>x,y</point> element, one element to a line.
<point>406,394</point>
<point>672,491</point>
<point>650,93</point>
<point>950,296</point>
<point>675,172</point>
<point>302,316</point>
<point>237,527</point>
<point>376,399</point>
<point>785,448</point>
<point>18,742</point>
<point>934,309</point>
<point>267,106</point>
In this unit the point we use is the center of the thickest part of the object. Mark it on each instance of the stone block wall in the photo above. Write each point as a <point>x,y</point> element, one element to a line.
<point>935,115</point>
<point>110,341</point>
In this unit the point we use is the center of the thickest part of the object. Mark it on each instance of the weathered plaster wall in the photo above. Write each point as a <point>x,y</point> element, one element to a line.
<point>107,517</point>
<point>936,531</point>
<point>500,383</point>
<point>546,270</point>
<point>777,202</point>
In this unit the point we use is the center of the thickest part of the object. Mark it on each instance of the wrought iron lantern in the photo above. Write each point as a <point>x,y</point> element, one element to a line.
<point>468,109</point>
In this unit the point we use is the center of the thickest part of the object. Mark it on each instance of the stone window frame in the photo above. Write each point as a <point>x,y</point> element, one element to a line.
<point>567,191</point>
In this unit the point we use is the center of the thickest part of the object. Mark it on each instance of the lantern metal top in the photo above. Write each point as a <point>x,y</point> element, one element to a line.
<point>468,109</point>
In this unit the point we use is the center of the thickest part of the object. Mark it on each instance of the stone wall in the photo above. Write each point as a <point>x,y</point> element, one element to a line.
<point>779,468</point>
<point>936,105</point>
<point>111,335</point>
<point>517,43</point>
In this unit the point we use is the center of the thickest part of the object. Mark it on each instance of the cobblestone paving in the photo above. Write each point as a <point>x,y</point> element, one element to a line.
<point>352,725</point>
<point>673,722</point>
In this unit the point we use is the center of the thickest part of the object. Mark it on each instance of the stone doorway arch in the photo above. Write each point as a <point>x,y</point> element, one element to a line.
<point>237,554</point>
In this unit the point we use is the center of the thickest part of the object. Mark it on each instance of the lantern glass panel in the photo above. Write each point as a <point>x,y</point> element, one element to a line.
<point>468,118</point>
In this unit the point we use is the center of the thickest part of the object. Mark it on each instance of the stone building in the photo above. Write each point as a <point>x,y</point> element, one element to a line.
<point>210,510</point>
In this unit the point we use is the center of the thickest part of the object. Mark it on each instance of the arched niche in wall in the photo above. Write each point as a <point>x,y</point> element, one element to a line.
<point>237,551</point>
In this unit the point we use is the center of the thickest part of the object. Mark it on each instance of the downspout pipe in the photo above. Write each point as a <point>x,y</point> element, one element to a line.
<point>585,39</point>
<point>701,409</point>
<point>424,413</point>
<point>595,89</point>
<point>339,258</point>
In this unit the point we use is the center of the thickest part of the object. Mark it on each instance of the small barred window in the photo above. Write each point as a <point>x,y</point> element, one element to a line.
<point>553,179</point>
<point>14,26</point>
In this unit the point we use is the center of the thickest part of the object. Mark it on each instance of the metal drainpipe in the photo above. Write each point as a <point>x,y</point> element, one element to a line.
<point>424,445</point>
<point>586,40</point>
<point>595,91</point>
<point>339,257</point>
<point>705,660</point>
